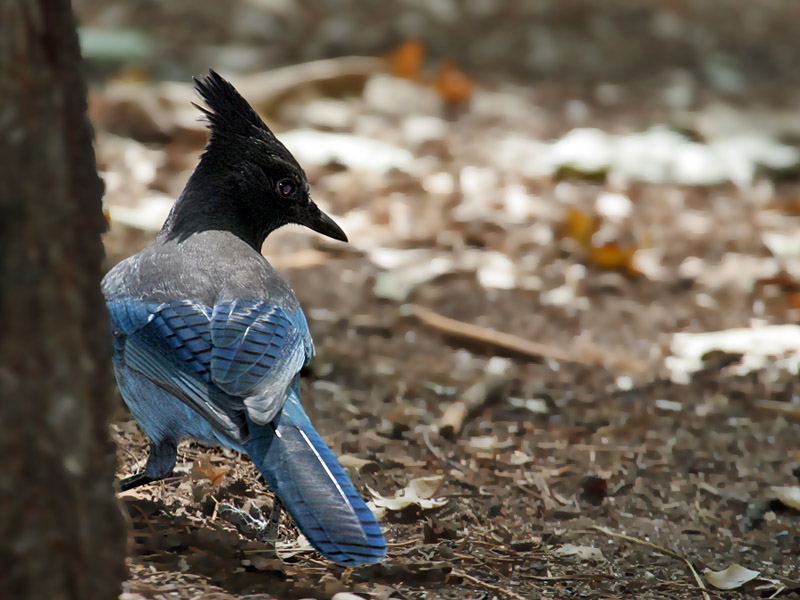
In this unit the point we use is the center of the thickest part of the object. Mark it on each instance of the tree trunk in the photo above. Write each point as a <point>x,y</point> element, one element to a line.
<point>61,530</point>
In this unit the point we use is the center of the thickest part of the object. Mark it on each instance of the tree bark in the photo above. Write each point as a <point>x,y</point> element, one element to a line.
<point>62,535</point>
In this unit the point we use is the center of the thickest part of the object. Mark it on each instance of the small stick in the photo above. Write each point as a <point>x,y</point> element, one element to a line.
<point>591,577</point>
<point>563,445</point>
<point>512,345</point>
<point>488,586</point>
<point>472,401</point>
<point>784,408</point>
<point>661,549</point>
<point>453,418</point>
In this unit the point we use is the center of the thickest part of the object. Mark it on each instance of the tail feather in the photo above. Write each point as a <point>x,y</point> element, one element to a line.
<point>314,489</point>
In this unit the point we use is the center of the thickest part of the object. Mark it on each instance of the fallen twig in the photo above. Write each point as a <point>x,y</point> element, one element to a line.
<point>488,586</point>
<point>590,577</point>
<point>661,549</point>
<point>468,332</point>
<point>472,402</point>
<point>564,445</point>
<point>511,345</point>
<point>774,406</point>
<point>334,76</point>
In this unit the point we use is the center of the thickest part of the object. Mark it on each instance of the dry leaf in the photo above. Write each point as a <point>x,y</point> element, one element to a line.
<point>609,253</point>
<point>453,85</point>
<point>658,155</point>
<point>614,256</point>
<point>406,61</point>
<point>793,300</point>
<point>355,462</point>
<point>358,153</point>
<point>788,495</point>
<point>419,491</point>
<point>760,345</point>
<point>580,552</point>
<point>579,226</point>
<point>203,469</point>
<point>425,487</point>
<point>488,443</point>
<point>537,406</point>
<point>782,279</point>
<point>346,596</point>
<point>613,206</point>
<point>731,578</point>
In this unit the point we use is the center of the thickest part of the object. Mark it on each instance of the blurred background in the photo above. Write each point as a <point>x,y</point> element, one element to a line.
<point>721,43</point>
<point>573,275</point>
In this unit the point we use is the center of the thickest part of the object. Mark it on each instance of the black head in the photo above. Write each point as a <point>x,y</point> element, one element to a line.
<point>247,180</point>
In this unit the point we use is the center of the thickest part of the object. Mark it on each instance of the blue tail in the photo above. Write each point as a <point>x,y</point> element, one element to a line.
<point>313,487</point>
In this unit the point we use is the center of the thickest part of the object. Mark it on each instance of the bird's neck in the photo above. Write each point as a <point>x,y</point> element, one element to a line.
<point>209,203</point>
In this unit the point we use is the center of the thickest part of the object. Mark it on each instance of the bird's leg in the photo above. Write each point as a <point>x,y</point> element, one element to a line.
<point>134,481</point>
<point>160,463</point>
<point>271,530</point>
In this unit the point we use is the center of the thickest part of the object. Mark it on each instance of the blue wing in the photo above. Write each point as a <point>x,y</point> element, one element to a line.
<point>314,488</point>
<point>235,359</point>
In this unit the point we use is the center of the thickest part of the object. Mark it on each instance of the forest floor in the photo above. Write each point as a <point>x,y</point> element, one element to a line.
<point>510,345</point>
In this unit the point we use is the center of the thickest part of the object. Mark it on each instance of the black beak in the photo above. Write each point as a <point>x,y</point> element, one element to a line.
<point>322,223</point>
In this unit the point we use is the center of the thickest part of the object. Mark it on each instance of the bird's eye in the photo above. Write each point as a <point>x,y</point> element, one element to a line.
<point>286,187</point>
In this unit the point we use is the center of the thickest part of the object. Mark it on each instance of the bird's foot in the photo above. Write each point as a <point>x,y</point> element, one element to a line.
<point>134,481</point>
<point>251,523</point>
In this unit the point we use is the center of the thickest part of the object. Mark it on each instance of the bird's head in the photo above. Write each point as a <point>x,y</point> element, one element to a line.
<point>245,163</point>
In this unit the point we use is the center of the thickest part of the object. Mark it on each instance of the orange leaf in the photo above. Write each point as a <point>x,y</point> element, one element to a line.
<point>203,469</point>
<point>793,300</point>
<point>614,256</point>
<point>453,85</point>
<point>786,204</point>
<point>580,227</point>
<point>407,59</point>
<point>782,279</point>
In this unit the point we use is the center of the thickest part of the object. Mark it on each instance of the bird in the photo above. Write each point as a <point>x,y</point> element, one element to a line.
<point>209,339</point>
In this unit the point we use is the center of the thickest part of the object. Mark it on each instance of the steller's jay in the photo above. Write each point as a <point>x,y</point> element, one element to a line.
<point>209,339</point>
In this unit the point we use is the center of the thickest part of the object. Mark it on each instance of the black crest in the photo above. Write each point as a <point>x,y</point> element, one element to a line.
<point>231,120</point>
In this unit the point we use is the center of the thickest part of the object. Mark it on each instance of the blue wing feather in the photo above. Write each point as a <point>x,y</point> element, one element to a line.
<point>246,344</point>
<point>237,357</point>
<point>314,488</point>
<point>236,365</point>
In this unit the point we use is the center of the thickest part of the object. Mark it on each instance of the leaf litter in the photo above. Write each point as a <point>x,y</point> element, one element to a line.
<point>419,493</point>
<point>582,271</point>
